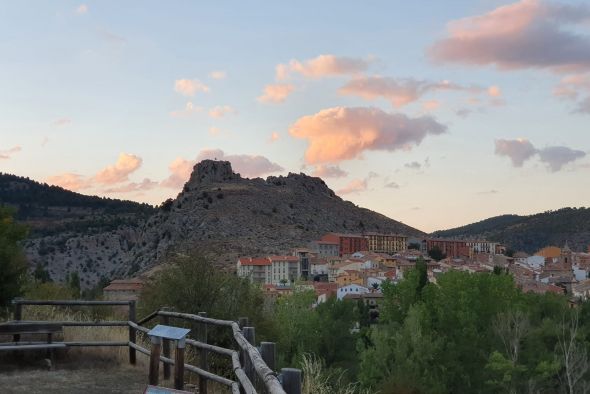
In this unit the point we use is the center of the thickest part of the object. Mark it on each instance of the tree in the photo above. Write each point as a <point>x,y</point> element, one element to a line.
<point>41,275</point>
<point>73,280</point>
<point>436,254</point>
<point>573,353</point>
<point>13,265</point>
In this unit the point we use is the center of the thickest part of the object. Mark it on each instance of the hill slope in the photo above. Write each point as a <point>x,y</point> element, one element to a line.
<point>531,233</point>
<point>219,213</point>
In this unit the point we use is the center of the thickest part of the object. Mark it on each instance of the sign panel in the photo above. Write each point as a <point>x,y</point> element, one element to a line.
<point>168,332</point>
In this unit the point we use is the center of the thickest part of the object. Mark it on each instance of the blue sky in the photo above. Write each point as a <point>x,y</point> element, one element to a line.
<point>88,99</point>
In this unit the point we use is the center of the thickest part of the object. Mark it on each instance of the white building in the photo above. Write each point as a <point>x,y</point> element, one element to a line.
<point>270,270</point>
<point>351,289</point>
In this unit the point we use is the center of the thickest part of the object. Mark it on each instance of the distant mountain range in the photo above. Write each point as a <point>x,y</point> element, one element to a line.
<point>218,212</point>
<point>531,233</point>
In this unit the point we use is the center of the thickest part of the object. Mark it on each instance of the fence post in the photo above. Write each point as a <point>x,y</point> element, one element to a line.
<point>268,351</point>
<point>166,344</point>
<point>242,322</point>
<point>203,363</point>
<point>291,380</point>
<point>155,360</point>
<point>250,335</point>
<point>18,315</point>
<point>132,332</point>
<point>179,364</point>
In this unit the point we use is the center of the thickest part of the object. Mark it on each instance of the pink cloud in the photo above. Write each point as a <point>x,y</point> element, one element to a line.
<point>62,122</point>
<point>325,171</point>
<point>343,133</point>
<point>519,150</point>
<point>276,93</point>
<point>431,105</point>
<point>250,166</point>
<point>7,153</point>
<point>146,184</point>
<point>355,186</point>
<point>69,181</point>
<point>494,91</point>
<point>526,34</point>
<point>218,74</point>
<point>398,91</point>
<point>180,172</point>
<point>82,9</point>
<point>274,136</point>
<point>188,110</point>
<point>322,66</point>
<point>119,172</point>
<point>221,111</point>
<point>189,87</point>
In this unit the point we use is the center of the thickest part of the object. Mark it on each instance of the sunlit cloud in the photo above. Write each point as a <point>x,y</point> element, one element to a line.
<point>431,105</point>
<point>344,133</point>
<point>82,9</point>
<point>8,153</point>
<point>221,111</point>
<point>250,166</point>
<point>274,136</point>
<point>519,150</point>
<point>354,186</point>
<point>218,74</point>
<point>398,91</point>
<point>326,171</point>
<point>322,66</point>
<point>526,34</point>
<point>180,171</point>
<point>146,184</point>
<point>69,181</point>
<point>190,87</point>
<point>119,172</point>
<point>494,91</point>
<point>61,122</point>
<point>276,93</point>
<point>189,109</point>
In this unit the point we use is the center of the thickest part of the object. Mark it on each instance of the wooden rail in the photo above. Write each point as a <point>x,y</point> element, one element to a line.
<point>253,369</point>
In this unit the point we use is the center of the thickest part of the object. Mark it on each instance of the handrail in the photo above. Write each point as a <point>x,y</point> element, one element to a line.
<point>68,302</point>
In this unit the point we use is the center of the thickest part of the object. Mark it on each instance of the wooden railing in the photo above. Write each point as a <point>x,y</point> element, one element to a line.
<point>253,368</point>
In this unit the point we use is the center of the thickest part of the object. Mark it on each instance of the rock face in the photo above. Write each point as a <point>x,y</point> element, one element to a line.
<point>222,215</point>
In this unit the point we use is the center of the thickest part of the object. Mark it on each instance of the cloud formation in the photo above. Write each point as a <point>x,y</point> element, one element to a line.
<point>391,185</point>
<point>557,156</point>
<point>220,111</point>
<point>188,110</point>
<point>344,133</point>
<point>69,181</point>
<point>521,150</point>
<point>276,93</point>
<point>7,153</point>
<point>354,186</point>
<point>525,34</point>
<point>398,91</point>
<point>180,171</point>
<point>250,166</point>
<point>82,9</point>
<point>322,66</point>
<point>413,165</point>
<point>146,184</point>
<point>62,122</point>
<point>189,87</point>
<point>326,171</point>
<point>119,172</point>
<point>274,136</point>
<point>218,74</point>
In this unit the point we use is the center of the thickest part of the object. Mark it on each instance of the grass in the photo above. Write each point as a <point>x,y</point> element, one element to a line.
<point>318,380</point>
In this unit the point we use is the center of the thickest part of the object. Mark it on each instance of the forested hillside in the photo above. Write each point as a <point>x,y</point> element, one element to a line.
<point>531,233</point>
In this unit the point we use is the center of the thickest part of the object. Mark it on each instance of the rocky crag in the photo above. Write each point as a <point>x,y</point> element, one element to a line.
<point>218,213</point>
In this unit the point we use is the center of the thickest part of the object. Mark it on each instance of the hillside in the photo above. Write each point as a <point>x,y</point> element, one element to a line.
<point>531,233</point>
<point>219,213</point>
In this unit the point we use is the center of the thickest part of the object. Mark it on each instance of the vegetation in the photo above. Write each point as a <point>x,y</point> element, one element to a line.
<point>531,233</point>
<point>13,266</point>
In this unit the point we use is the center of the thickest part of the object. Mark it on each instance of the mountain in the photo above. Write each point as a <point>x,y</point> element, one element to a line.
<point>531,233</point>
<point>218,213</point>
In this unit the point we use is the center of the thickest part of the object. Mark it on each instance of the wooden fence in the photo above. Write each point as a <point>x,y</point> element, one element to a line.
<point>253,367</point>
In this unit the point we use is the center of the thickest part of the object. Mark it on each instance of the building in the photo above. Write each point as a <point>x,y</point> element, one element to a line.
<point>476,247</point>
<point>325,248</point>
<point>258,270</point>
<point>450,247</point>
<point>304,256</point>
<point>284,269</point>
<point>123,290</point>
<point>351,289</point>
<point>386,243</point>
<point>349,277</point>
<point>347,243</point>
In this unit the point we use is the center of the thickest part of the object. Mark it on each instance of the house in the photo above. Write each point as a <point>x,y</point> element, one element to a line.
<point>258,270</point>
<point>348,243</point>
<point>325,248</point>
<point>349,277</point>
<point>351,289</point>
<point>123,290</point>
<point>581,291</point>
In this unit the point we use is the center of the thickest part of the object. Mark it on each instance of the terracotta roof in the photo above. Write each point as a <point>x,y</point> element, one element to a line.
<point>125,285</point>
<point>283,258</point>
<point>254,261</point>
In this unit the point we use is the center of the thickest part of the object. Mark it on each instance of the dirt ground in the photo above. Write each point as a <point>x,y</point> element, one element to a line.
<point>124,379</point>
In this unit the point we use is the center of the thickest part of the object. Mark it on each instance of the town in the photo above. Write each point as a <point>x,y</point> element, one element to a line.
<point>353,266</point>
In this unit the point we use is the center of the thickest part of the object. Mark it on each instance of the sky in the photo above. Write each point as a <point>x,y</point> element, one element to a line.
<point>437,114</point>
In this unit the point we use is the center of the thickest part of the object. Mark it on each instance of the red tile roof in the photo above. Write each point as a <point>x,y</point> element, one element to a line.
<point>283,258</point>
<point>254,261</point>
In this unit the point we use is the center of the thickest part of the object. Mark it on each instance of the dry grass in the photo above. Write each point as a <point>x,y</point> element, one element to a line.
<point>317,380</point>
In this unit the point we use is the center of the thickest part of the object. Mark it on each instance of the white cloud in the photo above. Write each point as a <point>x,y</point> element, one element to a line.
<point>189,87</point>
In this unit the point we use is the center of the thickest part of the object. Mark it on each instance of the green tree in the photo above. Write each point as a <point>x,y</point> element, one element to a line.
<point>73,280</point>
<point>436,254</point>
<point>13,265</point>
